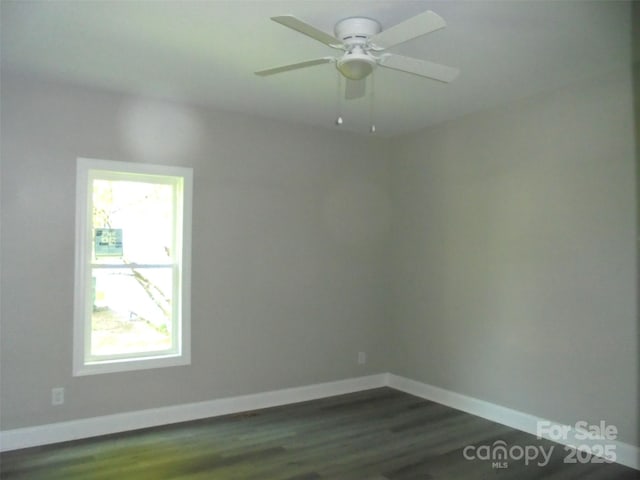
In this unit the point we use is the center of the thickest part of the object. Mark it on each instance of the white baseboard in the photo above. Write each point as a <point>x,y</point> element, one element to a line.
<point>121,422</point>
<point>626,454</point>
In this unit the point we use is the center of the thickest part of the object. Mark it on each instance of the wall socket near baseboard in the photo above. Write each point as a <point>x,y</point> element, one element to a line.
<point>362,358</point>
<point>57,396</point>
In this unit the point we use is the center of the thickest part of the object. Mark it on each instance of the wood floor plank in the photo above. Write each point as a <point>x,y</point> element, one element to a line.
<point>380,434</point>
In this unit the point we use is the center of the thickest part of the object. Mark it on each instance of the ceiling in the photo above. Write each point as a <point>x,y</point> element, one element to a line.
<point>205,52</point>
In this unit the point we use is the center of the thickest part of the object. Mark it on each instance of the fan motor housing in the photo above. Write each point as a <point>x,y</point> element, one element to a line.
<point>356,30</point>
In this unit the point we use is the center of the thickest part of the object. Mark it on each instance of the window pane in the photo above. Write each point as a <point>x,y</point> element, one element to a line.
<point>132,257</point>
<point>131,310</point>
<point>132,222</point>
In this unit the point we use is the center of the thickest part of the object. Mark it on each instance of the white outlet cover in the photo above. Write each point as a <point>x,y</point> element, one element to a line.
<point>57,396</point>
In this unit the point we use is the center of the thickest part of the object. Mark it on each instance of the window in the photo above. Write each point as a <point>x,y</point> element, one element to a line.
<point>133,241</point>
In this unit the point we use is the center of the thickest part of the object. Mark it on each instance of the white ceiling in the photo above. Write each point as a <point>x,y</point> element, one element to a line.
<point>206,52</point>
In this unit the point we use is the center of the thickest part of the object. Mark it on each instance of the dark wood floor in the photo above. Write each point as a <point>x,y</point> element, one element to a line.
<point>379,434</point>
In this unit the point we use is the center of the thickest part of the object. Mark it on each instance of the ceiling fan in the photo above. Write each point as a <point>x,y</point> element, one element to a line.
<point>364,43</point>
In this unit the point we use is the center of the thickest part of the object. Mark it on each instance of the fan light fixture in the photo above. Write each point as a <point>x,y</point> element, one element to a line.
<point>356,64</point>
<point>364,42</point>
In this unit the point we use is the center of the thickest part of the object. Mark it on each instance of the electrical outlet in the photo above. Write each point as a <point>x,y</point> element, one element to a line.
<point>57,396</point>
<point>362,358</point>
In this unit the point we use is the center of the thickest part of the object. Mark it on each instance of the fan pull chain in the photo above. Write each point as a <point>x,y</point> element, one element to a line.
<point>372,101</point>
<point>339,120</point>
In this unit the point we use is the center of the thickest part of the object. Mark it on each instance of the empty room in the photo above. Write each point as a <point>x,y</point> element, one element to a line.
<point>298,240</point>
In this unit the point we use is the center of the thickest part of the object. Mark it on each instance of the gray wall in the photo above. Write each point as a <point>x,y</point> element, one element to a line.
<point>493,256</point>
<point>514,255</point>
<point>289,228</point>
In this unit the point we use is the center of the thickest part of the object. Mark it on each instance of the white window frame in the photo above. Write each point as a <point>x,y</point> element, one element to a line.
<point>180,354</point>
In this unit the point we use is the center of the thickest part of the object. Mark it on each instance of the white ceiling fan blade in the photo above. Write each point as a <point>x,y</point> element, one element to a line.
<point>355,88</point>
<point>421,24</point>
<point>308,30</point>
<point>294,66</point>
<point>422,68</point>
